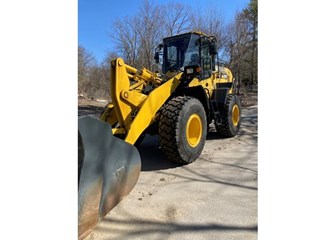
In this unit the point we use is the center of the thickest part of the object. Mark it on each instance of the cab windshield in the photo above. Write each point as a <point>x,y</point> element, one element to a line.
<point>180,51</point>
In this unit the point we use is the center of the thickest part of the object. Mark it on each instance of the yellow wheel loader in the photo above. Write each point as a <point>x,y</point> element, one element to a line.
<point>178,104</point>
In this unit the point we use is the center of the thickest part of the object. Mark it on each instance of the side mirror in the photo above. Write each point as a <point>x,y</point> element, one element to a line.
<point>157,51</point>
<point>156,57</point>
<point>213,48</point>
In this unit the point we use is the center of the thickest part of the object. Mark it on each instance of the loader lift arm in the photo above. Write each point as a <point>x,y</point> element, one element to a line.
<point>134,110</point>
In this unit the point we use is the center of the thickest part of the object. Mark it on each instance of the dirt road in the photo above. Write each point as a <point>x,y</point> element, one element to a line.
<point>213,198</point>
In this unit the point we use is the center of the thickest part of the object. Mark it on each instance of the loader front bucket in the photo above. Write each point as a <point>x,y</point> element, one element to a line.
<point>108,170</point>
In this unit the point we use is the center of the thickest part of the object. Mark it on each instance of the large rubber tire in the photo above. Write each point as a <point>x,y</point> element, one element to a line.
<point>232,117</point>
<point>182,129</point>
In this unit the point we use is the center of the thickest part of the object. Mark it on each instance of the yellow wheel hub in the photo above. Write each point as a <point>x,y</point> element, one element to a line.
<point>194,130</point>
<point>235,115</point>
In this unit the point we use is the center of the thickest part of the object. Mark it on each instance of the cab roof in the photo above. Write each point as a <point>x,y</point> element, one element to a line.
<point>187,33</point>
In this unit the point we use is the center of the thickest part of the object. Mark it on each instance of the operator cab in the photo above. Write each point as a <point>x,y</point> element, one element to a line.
<point>194,48</point>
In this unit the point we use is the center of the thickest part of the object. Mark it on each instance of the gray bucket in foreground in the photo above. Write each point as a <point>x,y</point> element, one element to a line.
<point>108,170</point>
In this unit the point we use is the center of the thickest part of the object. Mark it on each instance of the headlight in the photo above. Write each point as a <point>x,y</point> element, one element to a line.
<point>189,71</point>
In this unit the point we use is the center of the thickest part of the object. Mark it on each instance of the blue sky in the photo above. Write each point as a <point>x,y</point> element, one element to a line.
<point>95,18</point>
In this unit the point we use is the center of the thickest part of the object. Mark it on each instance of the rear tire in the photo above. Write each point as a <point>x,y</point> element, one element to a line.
<point>231,120</point>
<point>182,129</point>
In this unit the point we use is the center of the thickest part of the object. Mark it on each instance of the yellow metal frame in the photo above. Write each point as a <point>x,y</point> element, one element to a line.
<point>131,109</point>
<point>109,115</point>
<point>149,108</point>
<point>223,76</point>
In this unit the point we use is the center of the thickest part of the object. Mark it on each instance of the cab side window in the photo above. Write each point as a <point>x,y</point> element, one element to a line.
<point>206,62</point>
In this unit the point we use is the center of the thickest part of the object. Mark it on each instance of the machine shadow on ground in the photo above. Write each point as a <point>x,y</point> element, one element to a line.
<point>152,157</point>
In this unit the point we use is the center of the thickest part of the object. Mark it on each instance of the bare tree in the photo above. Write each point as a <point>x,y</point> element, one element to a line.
<point>215,24</point>
<point>86,61</point>
<point>209,21</point>
<point>106,74</point>
<point>149,18</point>
<point>93,78</point>
<point>176,18</point>
<point>197,20</point>
<point>237,46</point>
<point>125,33</point>
<point>251,15</point>
<point>138,36</point>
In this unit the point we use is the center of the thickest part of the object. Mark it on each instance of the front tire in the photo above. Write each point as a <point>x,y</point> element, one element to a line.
<point>231,121</point>
<point>182,129</point>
